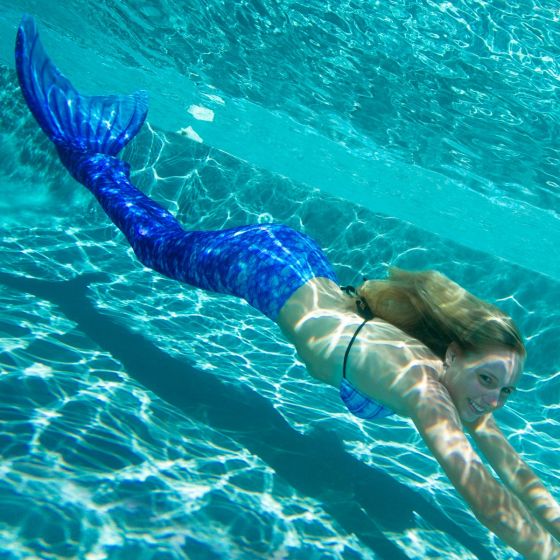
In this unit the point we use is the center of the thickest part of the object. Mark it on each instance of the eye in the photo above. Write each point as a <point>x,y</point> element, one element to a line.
<point>507,391</point>
<point>486,379</point>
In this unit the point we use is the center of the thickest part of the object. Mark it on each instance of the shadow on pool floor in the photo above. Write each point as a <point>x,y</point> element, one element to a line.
<point>360,498</point>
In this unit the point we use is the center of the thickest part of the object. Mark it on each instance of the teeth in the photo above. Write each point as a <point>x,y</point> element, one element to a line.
<point>476,407</point>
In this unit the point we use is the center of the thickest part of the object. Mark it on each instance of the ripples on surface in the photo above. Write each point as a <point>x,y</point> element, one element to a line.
<point>469,89</point>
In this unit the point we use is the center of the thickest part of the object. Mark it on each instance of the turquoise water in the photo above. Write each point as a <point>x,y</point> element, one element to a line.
<point>143,419</point>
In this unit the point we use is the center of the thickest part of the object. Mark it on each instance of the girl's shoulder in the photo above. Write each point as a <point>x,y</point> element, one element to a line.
<point>391,366</point>
<point>383,362</point>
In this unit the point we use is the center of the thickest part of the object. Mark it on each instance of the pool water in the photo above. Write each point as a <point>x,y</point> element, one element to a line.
<point>143,419</point>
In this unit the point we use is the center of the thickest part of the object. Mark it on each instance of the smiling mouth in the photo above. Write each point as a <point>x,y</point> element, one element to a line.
<point>476,408</point>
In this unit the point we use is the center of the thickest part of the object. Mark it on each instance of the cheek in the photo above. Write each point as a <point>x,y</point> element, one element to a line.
<point>463,384</point>
<point>475,386</point>
<point>470,388</point>
<point>459,389</point>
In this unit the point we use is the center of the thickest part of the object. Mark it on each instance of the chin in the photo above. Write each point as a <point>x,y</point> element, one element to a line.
<point>467,417</point>
<point>470,418</point>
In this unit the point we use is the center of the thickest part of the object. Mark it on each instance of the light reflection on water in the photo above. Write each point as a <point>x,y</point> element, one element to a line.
<point>141,418</point>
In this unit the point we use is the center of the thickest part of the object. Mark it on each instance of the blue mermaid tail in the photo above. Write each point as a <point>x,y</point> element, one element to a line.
<point>263,264</point>
<point>73,121</point>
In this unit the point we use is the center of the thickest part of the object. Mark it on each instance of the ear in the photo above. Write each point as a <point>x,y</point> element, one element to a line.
<point>453,351</point>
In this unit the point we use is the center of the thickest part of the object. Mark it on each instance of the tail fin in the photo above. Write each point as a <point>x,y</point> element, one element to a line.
<point>74,122</point>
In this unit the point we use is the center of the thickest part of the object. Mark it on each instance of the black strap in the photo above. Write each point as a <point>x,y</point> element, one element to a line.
<point>364,311</point>
<point>350,346</point>
<point>361,304</point>
<point>350,290</point>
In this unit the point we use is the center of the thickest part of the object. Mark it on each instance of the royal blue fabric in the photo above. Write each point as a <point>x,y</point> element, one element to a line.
<point>262,263</point>
<point>361,405</point>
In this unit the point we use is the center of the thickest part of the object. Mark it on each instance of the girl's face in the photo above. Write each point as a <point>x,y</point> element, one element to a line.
<point>481,382</point>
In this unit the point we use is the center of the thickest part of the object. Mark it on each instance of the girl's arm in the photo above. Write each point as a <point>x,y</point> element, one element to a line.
<point>516,474</point>
<point>495,506</point>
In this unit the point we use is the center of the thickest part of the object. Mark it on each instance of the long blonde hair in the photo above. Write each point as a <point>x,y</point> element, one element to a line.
<point>435,310</point>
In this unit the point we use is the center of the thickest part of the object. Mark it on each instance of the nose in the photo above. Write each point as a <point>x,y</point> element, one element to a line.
<point>492,398</point>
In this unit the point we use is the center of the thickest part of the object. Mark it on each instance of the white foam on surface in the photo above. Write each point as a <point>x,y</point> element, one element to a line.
<point>201,113</point>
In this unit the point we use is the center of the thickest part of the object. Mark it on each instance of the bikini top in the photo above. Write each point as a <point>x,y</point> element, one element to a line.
<point>358,403</point>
